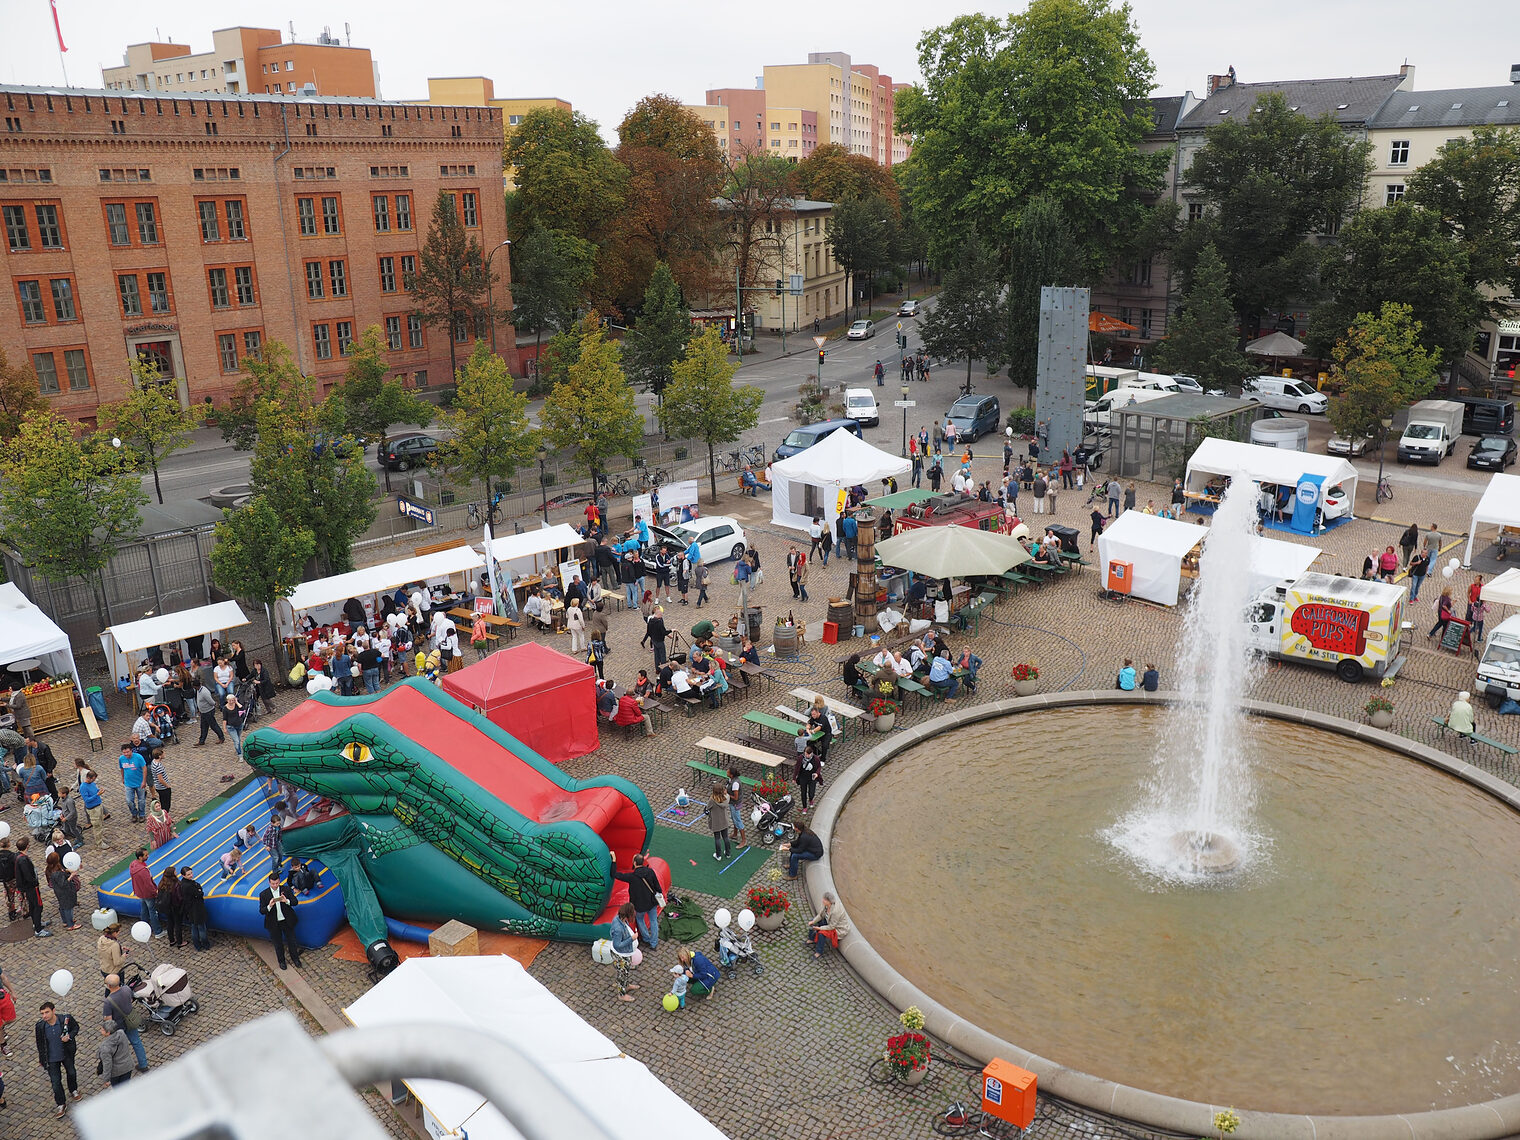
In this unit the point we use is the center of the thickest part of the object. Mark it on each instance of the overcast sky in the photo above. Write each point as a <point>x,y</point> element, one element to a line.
<point>603,55</point>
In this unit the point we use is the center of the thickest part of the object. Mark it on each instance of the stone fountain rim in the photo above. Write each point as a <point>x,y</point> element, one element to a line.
<point>1486,1120</point>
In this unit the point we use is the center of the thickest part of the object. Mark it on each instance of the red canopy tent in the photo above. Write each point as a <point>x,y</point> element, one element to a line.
<point>544,698</point>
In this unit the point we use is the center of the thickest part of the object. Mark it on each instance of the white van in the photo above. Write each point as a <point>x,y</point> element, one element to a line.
<point>860,406</point>
<point>1099,414</point>
<point>1286,393</point>
<point>1152,381</point>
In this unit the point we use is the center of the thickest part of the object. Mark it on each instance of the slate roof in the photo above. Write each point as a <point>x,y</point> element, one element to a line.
<point>1457,107</point>
<point>1352,101</point>
<point>1165,110</point>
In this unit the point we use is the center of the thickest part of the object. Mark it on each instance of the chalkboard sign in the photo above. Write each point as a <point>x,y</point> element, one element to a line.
<point>1456,634</point>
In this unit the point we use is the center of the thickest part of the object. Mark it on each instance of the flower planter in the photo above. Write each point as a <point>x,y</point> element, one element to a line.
<point>915,1076</point>
<point>1026,688</point>
<point>885,722</point>
<point>1381,719</point>
<point>770,921</point>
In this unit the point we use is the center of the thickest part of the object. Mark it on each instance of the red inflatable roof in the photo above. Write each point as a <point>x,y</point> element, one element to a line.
<point>518,671</point>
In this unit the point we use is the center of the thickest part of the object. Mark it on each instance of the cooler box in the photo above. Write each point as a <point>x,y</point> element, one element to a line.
<point>1068,536</point>
<point>1120,576</point>
<point>1008,1093</point>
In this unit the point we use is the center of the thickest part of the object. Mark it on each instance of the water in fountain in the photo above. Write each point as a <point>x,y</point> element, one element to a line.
<point>1194,820</point>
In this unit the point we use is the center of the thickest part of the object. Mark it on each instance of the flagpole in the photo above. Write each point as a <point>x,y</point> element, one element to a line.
<point>58,28</point>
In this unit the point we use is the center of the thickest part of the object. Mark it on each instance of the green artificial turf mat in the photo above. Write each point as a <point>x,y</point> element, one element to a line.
<point>693,868</point>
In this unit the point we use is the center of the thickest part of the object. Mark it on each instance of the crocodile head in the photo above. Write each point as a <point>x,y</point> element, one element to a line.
<point>356,764</point>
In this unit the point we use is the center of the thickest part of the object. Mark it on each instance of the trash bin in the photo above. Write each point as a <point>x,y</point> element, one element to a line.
<point>1068,536</point>
<point>752,617</point>
<point>97,701</point>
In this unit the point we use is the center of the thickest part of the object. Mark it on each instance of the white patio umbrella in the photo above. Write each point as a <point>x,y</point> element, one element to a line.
<point>952,551</point>
<point>1276,344</point>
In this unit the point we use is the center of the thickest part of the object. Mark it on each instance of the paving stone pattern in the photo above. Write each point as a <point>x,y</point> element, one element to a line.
<point>787,1053</point>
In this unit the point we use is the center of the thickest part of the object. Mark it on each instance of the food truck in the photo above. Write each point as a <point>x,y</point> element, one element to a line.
<point>1352,626</point>
<point>1499,670</point>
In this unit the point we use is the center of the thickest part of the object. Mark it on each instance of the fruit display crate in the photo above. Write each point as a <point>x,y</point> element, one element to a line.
<point>53,708</point>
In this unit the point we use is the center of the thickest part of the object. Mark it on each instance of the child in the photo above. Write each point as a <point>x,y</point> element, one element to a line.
<point>678,984</point>
<point>230,861</point>
<point>245,838</point>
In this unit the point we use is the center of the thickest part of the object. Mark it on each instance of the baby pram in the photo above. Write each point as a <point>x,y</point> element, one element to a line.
<point>734,946</point>
<point>41,817</point>
<point>247,693</point>
<point>164,994</point>
<point>162,718</point>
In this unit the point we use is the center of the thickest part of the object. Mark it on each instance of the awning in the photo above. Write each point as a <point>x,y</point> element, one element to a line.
<point>121,643</point>
<point>900,499</point>
<point>386,576</point>
<point>1504,590</point>
<point>26,633</point>
<point>507,547</point>
<point>1500,506</point>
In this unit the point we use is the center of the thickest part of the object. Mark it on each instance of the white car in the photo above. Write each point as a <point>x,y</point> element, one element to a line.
<point>861,407</point>
<point>1337,504</point>
<point>861,329</point>
<point>908,309</point>
<point>1188,384</point>
<point>718,537</point>
<point>1340,445</point>
<point>1285,393</point>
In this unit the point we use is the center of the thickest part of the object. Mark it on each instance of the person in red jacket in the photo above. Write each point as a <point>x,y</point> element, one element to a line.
<point>629,711</point>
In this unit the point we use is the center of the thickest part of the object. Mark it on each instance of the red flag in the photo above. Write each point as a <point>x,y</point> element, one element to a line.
<point>57,27</point>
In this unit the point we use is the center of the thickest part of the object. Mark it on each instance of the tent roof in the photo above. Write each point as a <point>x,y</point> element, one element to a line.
<point>840,458</point>
<point>952,551</point>
<point>506,547</point>
<point>25,631</point>
<point>1501,501</point>
<point>1268,464</point>
<point>1275,344</point>
<point>1152,532</point>
<point>515,671</point>
<point>166,628</point>
<point>387,576</point>
<point>1505,589</point>
<point>1275,559</point>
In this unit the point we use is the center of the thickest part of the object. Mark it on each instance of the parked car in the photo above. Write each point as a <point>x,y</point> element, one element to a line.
<point>1336,503</point>
<point>1340,445</point>
<point>407,452</point>
<point>1188,384</point>
<point>800,439</point>
<point>861,329</point>
<point>860,406</point>
<point>718,537</point>
<point>1495,452</point>
<point>1484,416</point>
<point>1286,393</point>
<point>908,309</point>
<point>974,417</point>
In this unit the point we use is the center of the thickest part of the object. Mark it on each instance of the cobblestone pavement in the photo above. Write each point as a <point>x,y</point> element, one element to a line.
<point>786,1053</point>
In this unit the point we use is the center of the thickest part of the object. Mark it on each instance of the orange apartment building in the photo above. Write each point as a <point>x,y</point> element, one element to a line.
<point>247,61</point>
<point>192,231</point>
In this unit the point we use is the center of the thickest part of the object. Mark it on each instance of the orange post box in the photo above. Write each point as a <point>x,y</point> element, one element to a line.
<point>1008,1092</point>
<point>1120,575</point>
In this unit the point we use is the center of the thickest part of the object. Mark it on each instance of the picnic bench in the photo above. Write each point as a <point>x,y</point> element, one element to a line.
<point>712,747</point>
<point>970,616</point>
<point>1495,744</point>
<point>764,720</point>
<point>91,727</point>
<point>848,713</point>
<point>720,773</point>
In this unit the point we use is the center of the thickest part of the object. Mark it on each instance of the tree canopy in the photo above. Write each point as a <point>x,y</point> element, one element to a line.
<point>1044,252</point>
<point>549,274</point>
<point>863,236</point>
<point>150,422</point>
<point>450,288</point>
<point>374,404</point>
<point>19,395</point>
<point>967,319</point>
<point>260,555</point>
<point>567,179</point>
<point>1202,339</point>
<point>702,402</point>
<point>832,174</point>
<point>1383,368</point>
<point>756,198</point>
<point>591,413</point>
<point>492,437</point>
<point>659,337</point>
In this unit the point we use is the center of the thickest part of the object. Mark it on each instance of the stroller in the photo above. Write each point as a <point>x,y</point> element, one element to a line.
<point>770,820</point>
<point>164,994</point>
<point>247,693</point>
<point>41,817</point>
<point>162,718</point>
<point>734,946</point>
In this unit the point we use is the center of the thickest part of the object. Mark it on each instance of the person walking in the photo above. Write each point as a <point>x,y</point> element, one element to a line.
<point>145,888</point>
<point>1129,497</point>
<point>273,839</point>
<point>793,559</point>
<point>741,579</point>
<point>1388,564</point>
<point>113,1055</point>
<point>816,531</point>
<point>644,892</point>
<point>233,716</point>
<point>656,634</point>
<point>1419,567</point>
<point>277,903</point>
<point>205,705</point>
<point>119,1008</point>
<point>66,887</point>
<point>134,768</point>
<point>192,905</point>
<point>1097,526</point>
<point>801,572</point>
<point>1444,607</point>
<point>263,686</point>
<point>702,575</point>
<point>880,373</point>
<point>30,887</point>
<point>718,822</point>
<point>575,622</point>
<point>1179,498</point>
<point>57,1045</point>
<point>94,808</point>
<point>1115,490</point>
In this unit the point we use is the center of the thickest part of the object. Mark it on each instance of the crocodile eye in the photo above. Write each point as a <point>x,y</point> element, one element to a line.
<point>357,753</point>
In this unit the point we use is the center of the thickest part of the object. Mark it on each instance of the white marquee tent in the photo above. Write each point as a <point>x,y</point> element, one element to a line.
<point>809,482</point>
<point>122,644</point>
<point>1273,561</point>
<point>27,634</point>
<point>496,996</point>
<point>1266,465</point>
<point>312,597</point>
<point>1504,590</point>
<point>1500,506</point>
<point>520,552</point>
<point>1155,547</point>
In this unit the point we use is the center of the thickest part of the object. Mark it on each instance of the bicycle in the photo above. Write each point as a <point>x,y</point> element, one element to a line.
<point>611,486</point>
<point>729,461</point>
<point>754,455</point>
<point>1384,490</point>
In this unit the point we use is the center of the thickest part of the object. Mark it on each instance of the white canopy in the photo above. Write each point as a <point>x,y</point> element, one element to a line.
<point>1504,590</point>
<point>1273,561</point>
<point>496,996</point>
<point>510,547</point>
<point>120,643</point>
<point>373,580</point>
<point>809,482</point>
<point>27,634</point>
<point>1500,506</point>
<point>1155,546</point>
<point>1266,465</point>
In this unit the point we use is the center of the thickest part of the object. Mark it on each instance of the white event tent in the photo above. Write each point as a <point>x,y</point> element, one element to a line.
<point>1500,506</point>
<point>1155,547</point>
<point>498,997</point>
<point>808,483</point>
<point>1504,590</point>
<point>122,644</point>
<point>519,553</point>
<point>1274,465</point>
<point>27,634</point>
<point>313,597</point>
<point>1274,561</point>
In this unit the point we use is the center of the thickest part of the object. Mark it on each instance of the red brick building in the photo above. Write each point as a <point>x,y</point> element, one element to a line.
<point>192,230</point>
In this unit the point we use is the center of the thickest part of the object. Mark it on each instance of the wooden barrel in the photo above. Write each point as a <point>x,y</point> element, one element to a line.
<point>842,614</point>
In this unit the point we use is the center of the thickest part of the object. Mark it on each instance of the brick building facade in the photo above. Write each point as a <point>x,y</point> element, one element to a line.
<point>194,230</point>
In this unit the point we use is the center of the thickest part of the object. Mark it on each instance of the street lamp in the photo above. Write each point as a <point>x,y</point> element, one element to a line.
<point>543,486</point>
<point>490,298</point>
<point>1387,422</point>
<point>905,420</point>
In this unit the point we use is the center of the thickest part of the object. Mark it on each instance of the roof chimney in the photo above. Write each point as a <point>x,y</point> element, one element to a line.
<point>1220,82</point>
<point>1406,76</point>
<point>1514,73</point>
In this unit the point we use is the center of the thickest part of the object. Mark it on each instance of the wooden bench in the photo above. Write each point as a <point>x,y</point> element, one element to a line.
<point>713,747</point>
<point>848,714</point>
<point>1497,744</point>
<point>798,715</point>
<point>721,773</point>
<point>91,727</point>
<point>967,615</point>
<point>780,725</point>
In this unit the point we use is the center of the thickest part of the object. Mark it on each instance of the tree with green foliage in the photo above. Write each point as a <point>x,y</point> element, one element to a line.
<point>863,236</point>
<point>449,289</point>
<point>271,375</point>
<point>912,240</point>
<point>259,555</point>
<point>659,337</point>
<point>1271,180</point>
<point>1473,187</point>
<point>567,179</point>
<point>755,203</point>
<point>67,503</point>
<point>968,317</point>
<point>1383,367</point>
<point>702,402</point>
<point>150,422</point>
<point>1400,253</point>
<point>549,275</point>
<point>20,395</point>
<point>591,413</point>
<point>374,404</point>
<point>307,464</point>
<point>1052,100</point>
<point>1202,340</point>
<point>492,437</point>
<point>1044,252</point>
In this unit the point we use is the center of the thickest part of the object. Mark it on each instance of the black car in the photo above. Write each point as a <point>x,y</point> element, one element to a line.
<point>1495,452</point>
<point>407,452</point>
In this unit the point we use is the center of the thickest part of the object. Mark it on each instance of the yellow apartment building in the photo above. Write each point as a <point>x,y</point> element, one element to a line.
<point>794,243</point>
<point>479,91</point>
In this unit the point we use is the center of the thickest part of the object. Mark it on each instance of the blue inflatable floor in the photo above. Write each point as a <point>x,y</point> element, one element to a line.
<point>232,905</point>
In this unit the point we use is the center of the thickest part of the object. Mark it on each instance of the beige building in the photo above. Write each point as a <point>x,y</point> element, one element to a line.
<point>743,122</point>
<point>854,102</point>
<point>248,61</point>
<point>794,243</point>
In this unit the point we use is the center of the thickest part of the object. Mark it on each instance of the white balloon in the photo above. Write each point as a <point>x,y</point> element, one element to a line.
<point>722,918</point>
<point>142,932</point>
<point>102,918</point>
<point>161,676</point>
<point>746,919</point>
<point>61,982</point>
<point>1447,571</point>
<point>755,815</point>
<point>1455,563</point>
<point>71,861</point>
<point>5,829</point>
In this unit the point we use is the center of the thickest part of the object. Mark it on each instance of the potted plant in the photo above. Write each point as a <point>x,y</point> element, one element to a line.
<point>772,787</point>
<point>1380,712</point>
<point>885,710</point>
<point>1026,678</point>
<point>908,1053</point>
<point>770,905</point>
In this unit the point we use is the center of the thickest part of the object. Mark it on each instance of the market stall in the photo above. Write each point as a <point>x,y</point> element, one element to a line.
<point>1155,549</point>
<point>1500,507</point>
<point>542,697</point>
<point>36,650</point>
<point>1274,561</point>
<point>124,644</point>
<point>324,598</point>
<point>533,557</point>
<point>1311,478</point>
<point>497,996</point>
<point>812,482</point>
<point>1503,590</point>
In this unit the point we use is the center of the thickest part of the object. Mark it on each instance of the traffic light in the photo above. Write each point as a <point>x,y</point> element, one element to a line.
<point>778,286</point>
<point>820,358</point>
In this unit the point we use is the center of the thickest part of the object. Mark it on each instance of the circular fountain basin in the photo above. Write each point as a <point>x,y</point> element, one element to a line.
<point>1362,962</point>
